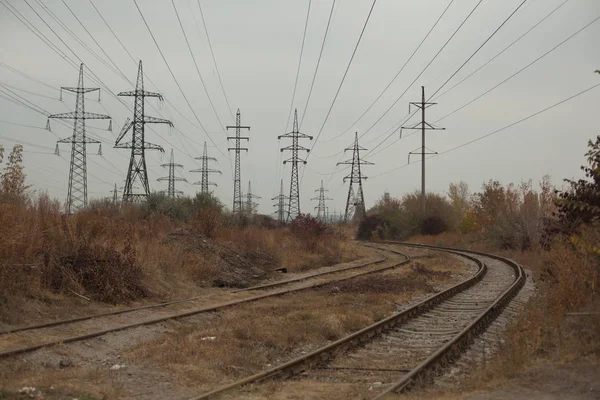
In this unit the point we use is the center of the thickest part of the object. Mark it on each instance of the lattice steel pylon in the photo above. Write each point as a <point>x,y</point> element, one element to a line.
<point>137,171</point>
<point>355,201</point>
<point>295,135</point>
<point>250,206</point>
<point>77,191</point>
<point>115,195</point>
<point>171,179</point>
<point>205,171</point>
<point>321,207</point>
<point>237,182</point>
<point>281,198</point>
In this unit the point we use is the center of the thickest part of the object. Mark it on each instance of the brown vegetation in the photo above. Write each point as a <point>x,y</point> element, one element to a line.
<point>118,254</point>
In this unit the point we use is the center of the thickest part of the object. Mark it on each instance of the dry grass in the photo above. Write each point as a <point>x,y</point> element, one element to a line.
<point>119,256</point>
<point>567,278</point>
<point>253,337</point>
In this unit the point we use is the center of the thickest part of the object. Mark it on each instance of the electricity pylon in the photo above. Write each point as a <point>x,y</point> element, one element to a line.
<point>115,195</point>
<point>355,201</point>
<point>423,126</point>
<point>281,198</point>
<point>172,178</point>
<point>295,135</point>
<point>250,203</point>
<point>77,191</point>
<point>137,171</point>
<point>205,170</point>
<point>237,183</point>
<point>321,207</point>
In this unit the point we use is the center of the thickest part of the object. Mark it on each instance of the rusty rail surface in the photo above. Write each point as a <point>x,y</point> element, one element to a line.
<point>364,335</point>
<point>216,307</point>
<point>168,303</point>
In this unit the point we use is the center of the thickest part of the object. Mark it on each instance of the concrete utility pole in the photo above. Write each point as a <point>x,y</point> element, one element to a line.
<point>237,182</point>
<point>423,126</point>
<point>77,191</point>
<point>355,203</point>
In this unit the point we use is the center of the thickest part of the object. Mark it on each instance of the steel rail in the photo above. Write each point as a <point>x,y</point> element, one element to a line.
<point>454,347</point>
<point>171,302</point>
<point>216,307</point>
<point>306,361</point>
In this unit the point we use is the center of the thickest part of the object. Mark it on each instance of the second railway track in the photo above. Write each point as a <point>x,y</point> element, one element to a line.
<point>26,339</point>
<point>405,348</point>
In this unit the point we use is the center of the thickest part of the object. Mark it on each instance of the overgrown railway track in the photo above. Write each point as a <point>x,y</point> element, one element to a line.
<point>410,346</point>
<point>34,337</point>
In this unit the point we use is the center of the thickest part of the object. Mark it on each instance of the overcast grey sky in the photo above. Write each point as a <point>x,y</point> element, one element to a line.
<point>257,48</point>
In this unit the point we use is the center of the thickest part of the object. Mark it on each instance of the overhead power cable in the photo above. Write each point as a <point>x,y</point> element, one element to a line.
<point>299,66</point>
<point>498,130</point>
<point>343,79</point>
<point>479,48</point>
<point>175,79</point>
<point>502,51</point>
<point>521,70</point>
<point>187,42</point>
<point>395,76</point>
<point>422,71</point>
<point>212,53</point>
<point>312,84</point>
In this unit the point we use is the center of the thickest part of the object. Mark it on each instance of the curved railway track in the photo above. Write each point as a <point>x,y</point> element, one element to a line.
<point>410,346</point>
<point>33,337</point>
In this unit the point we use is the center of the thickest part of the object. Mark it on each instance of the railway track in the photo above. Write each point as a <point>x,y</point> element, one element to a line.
<point>33,337</point>
<point>407,348</point>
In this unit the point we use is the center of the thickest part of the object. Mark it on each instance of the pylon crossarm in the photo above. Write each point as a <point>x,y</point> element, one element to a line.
<point>295,135</point>
<point>74,115</point>
<point>208,183</point>
<point>238,148</point>
<point>78,90</point>
<point>206,170</point>
<point>141,93</point>
<point>154,120</point>
<point>235,137</point>
<point>124,130</point>
<point>152,146</point>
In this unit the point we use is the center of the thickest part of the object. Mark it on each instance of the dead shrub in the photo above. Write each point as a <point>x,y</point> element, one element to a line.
<point>309,230</point>
<point>207,221</point>
<point>104,273</point>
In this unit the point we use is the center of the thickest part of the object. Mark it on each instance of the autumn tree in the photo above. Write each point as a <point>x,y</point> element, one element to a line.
<point>12,178</point>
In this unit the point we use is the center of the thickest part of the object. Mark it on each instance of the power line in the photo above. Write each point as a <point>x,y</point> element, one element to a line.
<point>196,65</point>
<point>312,84</point>
<point>175,79</point>
<point>343,78</point>
<point>500,129</point>
<point>522,69</point>
<point>395,76</point>
<point>422,71</point>
<point>299,65</point>
<point>479,48</point>
<point>503,50</point>
<point>215,60</point>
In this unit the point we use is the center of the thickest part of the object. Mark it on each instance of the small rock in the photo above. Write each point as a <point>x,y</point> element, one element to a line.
<point>65,363</point>
<point>117,367</point>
